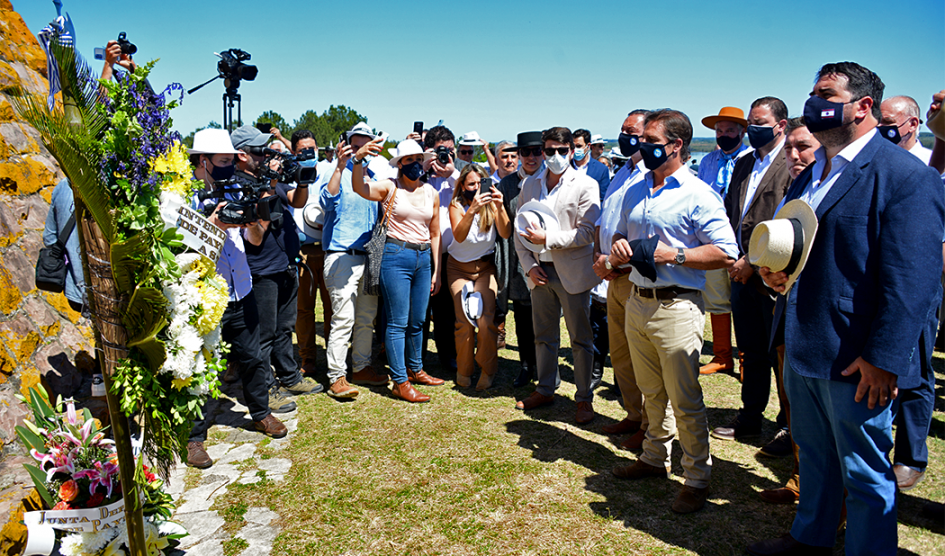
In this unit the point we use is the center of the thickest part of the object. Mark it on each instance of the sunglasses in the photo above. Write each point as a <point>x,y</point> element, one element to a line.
<point>529,151</point>
<point>550,151</point>
<point>465,151</point>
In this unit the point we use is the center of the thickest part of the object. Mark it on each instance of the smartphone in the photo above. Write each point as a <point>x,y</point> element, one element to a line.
<point>418,128</point>
<point>99,53</point>
<point>265,128</point>
<point>485,186</point>
<point>382,135</point>
<point>341,138</point>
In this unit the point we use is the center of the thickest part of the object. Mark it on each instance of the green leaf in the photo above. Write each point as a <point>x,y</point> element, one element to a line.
<point>31,439</point>
<point>39,481</point>
<point>130,258</point>
<point>145,315</point>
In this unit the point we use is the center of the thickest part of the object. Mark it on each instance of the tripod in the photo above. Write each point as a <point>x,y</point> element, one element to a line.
<point>231,97</point>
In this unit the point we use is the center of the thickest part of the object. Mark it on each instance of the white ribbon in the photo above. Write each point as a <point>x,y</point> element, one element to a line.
<point>41,525</point>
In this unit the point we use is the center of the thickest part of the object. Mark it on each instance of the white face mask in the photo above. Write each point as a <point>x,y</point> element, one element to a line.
<point>557,163</point>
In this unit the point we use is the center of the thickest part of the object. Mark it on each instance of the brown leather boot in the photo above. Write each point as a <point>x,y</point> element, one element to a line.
<point>721,345</point>
<point>270,426</point>
<point>421,377</point>
<point>197,456</point>
<point>406,392</point>
<point>500,341</point>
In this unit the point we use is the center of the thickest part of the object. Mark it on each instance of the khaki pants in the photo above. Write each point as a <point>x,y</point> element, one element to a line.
<point>618,291</point>
<point>482,274</point>
<point>665,338</point>
<point>718,292</point>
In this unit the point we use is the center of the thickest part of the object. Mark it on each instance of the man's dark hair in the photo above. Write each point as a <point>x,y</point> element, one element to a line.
<point>861,82</point>
<point>582,133</point>
<point>776,105</point>
<point>437,134</point>
<point>640,112</point>
<point>794,123</point>
<point>676,125</point>
<point>559,134</point>
<point>300,134</point>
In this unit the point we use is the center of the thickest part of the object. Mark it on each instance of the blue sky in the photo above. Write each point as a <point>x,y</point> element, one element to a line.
<point>500,67</point>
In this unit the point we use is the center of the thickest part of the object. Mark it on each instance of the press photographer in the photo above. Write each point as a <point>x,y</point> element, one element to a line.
<point>272,247</point>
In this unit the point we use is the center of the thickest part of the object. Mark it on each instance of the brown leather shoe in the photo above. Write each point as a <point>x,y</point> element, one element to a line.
<point>270,426</point>
<point>717,365</point>
<point>781,495</point>
<point>341,390</point>
<point>368,376</point>
<point>585,413</point>
<point>640,470</point>
<point>690,499</point>
<point>635,441</point>
<point>534,400</point>
<point>626,426</point>
<point>485,382</point>
<point>500,340</point>
<point>906,477</point>
<point>197,456</point>
<point>421,377</point>
<point>463,381</point>
<point>407,392</point>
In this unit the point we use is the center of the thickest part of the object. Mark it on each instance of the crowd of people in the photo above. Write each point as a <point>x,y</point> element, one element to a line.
<point>821,241</point>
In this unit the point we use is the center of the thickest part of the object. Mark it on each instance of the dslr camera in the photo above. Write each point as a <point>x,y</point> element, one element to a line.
<point>443,155</point>
<point>127,47</point>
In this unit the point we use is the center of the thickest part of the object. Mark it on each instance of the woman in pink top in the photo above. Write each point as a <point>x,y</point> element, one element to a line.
<point>409,274</point>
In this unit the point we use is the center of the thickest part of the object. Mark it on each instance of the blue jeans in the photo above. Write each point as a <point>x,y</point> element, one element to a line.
<point>843,444</point>
<point>405,287</point>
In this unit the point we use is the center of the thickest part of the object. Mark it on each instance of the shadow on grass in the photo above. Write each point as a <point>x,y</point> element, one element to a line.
<point>910,512</point>
<point>733,518</point>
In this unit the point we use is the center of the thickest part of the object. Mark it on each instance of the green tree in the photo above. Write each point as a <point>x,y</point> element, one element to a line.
<point>328,126</point>
<point>277,121</point>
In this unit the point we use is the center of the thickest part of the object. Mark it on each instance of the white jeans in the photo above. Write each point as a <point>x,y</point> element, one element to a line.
<point>353,310</point>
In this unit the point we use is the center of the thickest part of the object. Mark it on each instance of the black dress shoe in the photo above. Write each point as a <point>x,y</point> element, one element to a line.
<point>787,546</point>
<point>524,375</point>
<point>597,375</point>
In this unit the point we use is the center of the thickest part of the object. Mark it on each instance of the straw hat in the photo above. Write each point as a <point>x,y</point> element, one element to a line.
<point>537,215</point>
<point>212,141</point>
<point>407,147</point>
<point>726,114</point>
<point>783,244</point>
<point>471,302</point>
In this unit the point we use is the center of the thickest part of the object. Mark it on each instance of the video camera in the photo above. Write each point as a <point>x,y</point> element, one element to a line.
<point>233,70</point>
<point>243,203</point>
<point>292,171</point>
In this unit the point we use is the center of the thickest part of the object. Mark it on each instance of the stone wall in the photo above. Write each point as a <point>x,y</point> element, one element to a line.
<point>40,335</point>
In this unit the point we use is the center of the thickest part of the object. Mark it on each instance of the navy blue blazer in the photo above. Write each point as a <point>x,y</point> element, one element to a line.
<point>873,274</point>
<point>599,172</point>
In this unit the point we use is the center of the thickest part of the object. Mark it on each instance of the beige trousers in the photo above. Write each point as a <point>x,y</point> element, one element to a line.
<point>618,291</point>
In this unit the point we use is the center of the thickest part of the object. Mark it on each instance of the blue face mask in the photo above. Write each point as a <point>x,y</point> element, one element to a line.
<point>412,171</point>
<point>654,155</point>
<point>629,144</point>
<point>760,135</point>
<point>579,154</point>
<point>821,114</point>
<point>310,163</point>
<point>890,132</point>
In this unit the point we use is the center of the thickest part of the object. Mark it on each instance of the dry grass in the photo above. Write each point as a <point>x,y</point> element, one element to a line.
<point>468,474</point>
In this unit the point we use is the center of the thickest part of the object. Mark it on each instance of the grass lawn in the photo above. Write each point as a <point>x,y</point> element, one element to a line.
<point>468,474</point>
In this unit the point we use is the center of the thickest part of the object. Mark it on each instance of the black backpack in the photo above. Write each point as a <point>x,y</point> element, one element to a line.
<point>51,265</point>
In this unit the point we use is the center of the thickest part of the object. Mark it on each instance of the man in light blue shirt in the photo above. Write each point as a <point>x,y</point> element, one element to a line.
<point>664,317</point>
<point>349,219</point>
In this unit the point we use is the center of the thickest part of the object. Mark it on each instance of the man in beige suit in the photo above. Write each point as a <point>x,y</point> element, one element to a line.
<point>561,274</point>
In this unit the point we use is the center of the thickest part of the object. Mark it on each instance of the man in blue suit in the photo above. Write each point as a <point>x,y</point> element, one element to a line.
<point>855,318</point>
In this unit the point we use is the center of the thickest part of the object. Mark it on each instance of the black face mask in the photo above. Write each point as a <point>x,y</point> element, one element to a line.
<point>821,114</point>
<point>220,173</point>
<point>469,195</point>
<point>760,135</point>
<point>890,132</point>
<point>654,155</point>
<point>629,144</point>
<point>728,144</point>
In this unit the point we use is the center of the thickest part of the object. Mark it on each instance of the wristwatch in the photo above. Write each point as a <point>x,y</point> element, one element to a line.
<point>357,161</point>
<point>607,264</point>
<point>681,256</point>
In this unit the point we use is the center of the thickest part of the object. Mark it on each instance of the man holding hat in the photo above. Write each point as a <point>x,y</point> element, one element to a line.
<point>716,170</point>
<point>856,319</point>
<point>664,313</point>
<point>758,184</point>
<point>528,147</point>
<point>557,255</point>
<point>213,156</point>
<point>619,285</point>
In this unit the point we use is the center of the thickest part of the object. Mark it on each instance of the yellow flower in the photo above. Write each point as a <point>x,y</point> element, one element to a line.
<point>180,384</point>
<point>175,166</point>
<point>213,301</point>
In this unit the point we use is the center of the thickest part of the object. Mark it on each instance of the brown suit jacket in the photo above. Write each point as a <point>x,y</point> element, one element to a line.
<point>767,197</point>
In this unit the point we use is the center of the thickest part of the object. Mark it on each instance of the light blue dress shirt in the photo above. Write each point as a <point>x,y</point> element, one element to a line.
<point>232,264</point>
<point>612,211</point>
<point>349,218</point>
<point>712,164</point>
<point>685,212</point>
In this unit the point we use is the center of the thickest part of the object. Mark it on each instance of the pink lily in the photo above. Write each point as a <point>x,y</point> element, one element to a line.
<point>70,412</point>
<point>62,463</point>
<point>100,476</point>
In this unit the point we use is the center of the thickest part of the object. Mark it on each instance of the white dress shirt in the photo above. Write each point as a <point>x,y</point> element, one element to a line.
<point>817,189</point>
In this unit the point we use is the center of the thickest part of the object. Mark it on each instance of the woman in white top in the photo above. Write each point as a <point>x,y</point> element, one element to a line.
<point>477,214</point>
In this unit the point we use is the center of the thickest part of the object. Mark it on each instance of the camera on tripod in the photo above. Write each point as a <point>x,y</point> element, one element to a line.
<point>233,69</point>
<point>243,205</point>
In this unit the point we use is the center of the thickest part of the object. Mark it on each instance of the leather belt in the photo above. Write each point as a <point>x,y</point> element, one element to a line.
<point>408,245</point>
<point>669,292</point>
<point>349,252</point>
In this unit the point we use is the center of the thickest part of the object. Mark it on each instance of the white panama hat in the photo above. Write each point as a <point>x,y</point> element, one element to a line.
<point>472,303</point>
<point>597,140</point>
<point>407,147</point>
<point>540,216</point>
<point>212,141</point>
<point>471,138</point>
<point>783,244</point>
